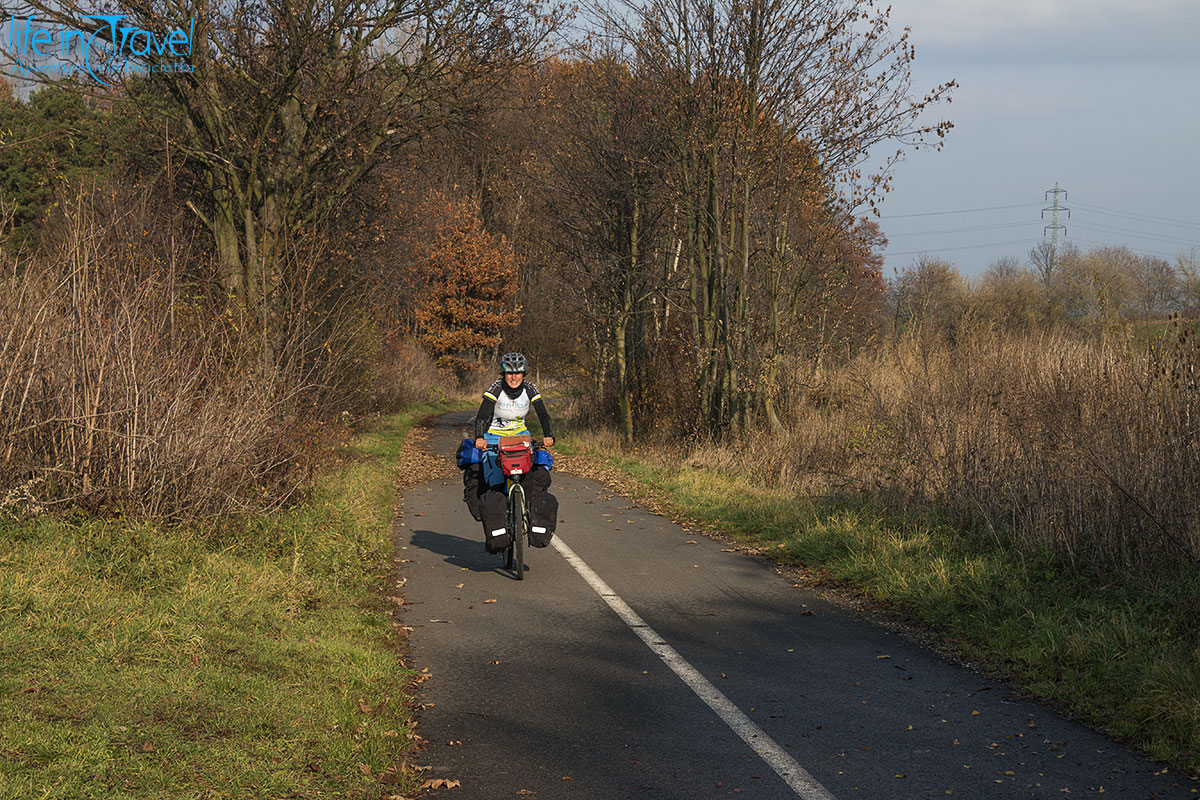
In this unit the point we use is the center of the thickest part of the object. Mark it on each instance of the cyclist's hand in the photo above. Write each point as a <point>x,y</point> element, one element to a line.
<point>548,441</point>
<point>480,444</point>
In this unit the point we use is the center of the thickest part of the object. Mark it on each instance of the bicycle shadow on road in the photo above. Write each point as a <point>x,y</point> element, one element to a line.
<point>463,553</point>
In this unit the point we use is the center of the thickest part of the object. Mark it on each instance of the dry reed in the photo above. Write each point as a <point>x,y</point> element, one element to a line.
<point>1085,447</point>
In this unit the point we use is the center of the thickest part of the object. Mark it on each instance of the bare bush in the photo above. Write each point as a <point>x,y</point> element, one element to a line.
<point>128,387</point>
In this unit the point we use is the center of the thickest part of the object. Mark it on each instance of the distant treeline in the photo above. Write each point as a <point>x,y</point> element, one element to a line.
<point>1104,285</point>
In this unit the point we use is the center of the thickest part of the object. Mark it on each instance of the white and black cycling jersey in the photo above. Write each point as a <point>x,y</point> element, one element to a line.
<point>504,409</point>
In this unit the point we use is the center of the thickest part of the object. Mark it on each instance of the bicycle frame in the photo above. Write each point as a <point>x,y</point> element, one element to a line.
<point>517,521</point>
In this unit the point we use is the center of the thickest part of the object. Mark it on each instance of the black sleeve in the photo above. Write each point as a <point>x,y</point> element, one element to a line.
<point>543,417</point>
<point>483,417</point>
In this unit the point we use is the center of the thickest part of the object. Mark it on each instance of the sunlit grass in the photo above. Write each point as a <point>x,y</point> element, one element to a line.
<point>252,660</point>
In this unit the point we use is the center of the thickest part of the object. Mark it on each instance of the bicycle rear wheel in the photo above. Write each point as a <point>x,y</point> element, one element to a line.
<point>516,500</point>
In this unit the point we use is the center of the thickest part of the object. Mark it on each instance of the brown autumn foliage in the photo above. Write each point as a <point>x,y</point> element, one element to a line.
<point>465,278</point>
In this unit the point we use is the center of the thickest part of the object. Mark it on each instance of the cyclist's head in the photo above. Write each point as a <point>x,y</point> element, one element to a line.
<point>513,362</point>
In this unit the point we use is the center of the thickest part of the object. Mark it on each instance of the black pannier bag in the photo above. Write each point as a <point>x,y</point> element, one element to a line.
<point>543,507</point>
<point>472,484</point>
<point>495,514</point>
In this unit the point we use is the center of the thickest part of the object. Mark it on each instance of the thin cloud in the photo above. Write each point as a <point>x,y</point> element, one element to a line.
<point>1052,30</point>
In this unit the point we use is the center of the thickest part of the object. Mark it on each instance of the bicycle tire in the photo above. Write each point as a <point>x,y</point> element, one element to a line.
<point>519,522</point>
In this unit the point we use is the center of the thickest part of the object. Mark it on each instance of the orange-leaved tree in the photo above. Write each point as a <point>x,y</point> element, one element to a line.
<point>469,277</point>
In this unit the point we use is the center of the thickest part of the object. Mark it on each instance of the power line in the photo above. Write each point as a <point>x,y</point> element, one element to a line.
<point>962,247</point>
<point>957,211</point>
<point>1025,223</point>
<point>1139,234</point>
<point>1140,217</point>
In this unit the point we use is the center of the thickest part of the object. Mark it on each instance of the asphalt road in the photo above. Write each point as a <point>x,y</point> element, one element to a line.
<point>539,690</point>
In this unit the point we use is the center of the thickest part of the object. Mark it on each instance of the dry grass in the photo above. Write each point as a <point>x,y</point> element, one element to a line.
<point>1087,448</point>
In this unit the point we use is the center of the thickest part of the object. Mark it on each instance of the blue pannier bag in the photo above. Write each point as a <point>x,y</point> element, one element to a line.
<point>467,454</point>
<point>542,458</point>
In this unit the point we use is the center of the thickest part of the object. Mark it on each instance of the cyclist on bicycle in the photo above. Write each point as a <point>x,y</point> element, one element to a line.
<point>502,412</point>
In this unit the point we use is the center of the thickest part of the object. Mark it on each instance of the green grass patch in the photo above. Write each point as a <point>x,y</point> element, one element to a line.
<point>252,660</point>
<point>1123,657</point>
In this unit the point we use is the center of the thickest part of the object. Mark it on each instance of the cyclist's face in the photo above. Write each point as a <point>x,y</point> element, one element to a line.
<point>514,379</point>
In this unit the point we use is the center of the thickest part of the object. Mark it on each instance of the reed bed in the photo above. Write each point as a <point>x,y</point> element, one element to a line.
<point>1082,446</point>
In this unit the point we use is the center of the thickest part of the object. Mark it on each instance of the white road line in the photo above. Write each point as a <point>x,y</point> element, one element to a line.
<point>777,758</point>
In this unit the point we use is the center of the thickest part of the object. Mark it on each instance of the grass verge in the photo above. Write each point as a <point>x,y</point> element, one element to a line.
<point>253,660</point>
<point>1123,657</point>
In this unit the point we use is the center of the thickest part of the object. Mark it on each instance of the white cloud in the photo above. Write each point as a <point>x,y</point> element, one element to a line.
<point>1055,29</point>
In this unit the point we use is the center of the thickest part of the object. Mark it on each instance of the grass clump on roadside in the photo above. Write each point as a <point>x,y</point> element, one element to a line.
<point>1124,657</point>
<point>254,659</point>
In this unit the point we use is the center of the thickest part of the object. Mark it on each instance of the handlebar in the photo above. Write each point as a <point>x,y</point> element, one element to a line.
<point>495,448</point>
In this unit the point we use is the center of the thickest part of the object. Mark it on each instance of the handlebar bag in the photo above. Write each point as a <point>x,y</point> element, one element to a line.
<point>516,455</point>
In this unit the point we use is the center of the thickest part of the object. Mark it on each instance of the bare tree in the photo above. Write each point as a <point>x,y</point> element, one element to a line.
<point>1187,266</point>
<point>749,81</point>
<point>288,104</point>
<point>1155,284</point>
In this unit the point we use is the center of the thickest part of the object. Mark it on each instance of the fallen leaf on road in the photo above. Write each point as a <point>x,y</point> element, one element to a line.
<point>492,600</point>
<point>691,541</point>
<point>459,586</point>
<point>882,657</point>
<point>440,783</point>
<point>440,620</point>
<point>493,662</point>
<point>567,778</point>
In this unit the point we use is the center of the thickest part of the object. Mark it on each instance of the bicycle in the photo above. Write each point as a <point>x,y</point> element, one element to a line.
<point>515,456</point>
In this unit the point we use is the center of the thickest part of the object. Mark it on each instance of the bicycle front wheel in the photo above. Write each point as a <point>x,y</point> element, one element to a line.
<point>518,528</point>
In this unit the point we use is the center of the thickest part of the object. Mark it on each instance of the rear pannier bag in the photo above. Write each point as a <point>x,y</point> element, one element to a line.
<point>492,509</point>
<point>543,517</point>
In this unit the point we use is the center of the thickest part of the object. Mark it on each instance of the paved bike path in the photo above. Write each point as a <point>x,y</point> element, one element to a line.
<point>544,692</point>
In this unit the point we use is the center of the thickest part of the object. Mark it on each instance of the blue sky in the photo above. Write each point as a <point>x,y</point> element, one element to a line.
<point>1100,96</point>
